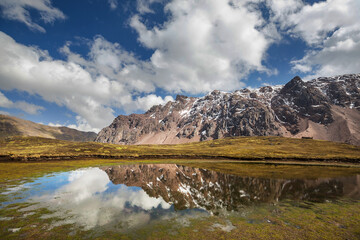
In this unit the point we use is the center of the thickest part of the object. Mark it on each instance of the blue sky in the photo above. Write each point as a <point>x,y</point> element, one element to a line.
<point>82,63</point>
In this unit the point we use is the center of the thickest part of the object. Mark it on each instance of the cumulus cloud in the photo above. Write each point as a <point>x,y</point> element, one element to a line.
<point>24,106</point>
<point>340,54</point>
<point>148,101</point>
<point>280,10</point>
<point>82,125</point>
<point>18,10</point>
<point>91,88</point>
<point>205,45</point>
<point>315,23</point>
<point>330,28</point>
<point>111,60</point>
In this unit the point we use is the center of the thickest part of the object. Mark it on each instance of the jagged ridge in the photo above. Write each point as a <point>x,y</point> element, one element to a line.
<point>323,108</point>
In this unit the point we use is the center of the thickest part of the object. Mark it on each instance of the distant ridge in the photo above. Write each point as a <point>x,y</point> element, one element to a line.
<point>13,126</point>
<point>326,108</point>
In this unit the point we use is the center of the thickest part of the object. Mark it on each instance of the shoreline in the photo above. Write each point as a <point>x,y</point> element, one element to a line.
<point>250,149</point>
<point>198,158</point>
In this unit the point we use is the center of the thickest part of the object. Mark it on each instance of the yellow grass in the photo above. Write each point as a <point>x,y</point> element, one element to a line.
<point>249,148</point>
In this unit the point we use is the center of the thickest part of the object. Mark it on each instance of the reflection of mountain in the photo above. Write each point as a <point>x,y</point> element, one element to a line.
<point>86,197</point>
<point>188,187</point>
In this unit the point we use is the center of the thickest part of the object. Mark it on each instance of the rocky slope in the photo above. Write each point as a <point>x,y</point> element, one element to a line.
<point>323,108</point>
<point>188,187</point>
<point>12,126</point>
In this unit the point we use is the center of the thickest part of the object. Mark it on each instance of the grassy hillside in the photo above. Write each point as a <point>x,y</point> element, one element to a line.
<point>12,126</point>
<point>250,148</point>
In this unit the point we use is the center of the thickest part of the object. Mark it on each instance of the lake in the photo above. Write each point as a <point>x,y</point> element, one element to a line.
<point>163,201</point>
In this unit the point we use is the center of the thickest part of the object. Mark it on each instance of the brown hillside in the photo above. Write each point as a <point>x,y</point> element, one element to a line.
<point>13,126</point>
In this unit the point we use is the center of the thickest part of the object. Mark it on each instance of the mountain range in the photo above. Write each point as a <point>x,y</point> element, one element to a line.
<point>326,108</point>
<point>13,126</point>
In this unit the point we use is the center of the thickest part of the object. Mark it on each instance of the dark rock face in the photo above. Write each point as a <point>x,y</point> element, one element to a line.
<point>343,90</point>
<point>292,110</point>
<point>298,99</point>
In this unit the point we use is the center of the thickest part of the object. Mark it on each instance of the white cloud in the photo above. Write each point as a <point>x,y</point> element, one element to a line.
<point>55,124</point>
<point>113,4</point>
<point>205,45</point>
<point>281,9</point>
<point>4,101</point>
<point>330,28</point>
<point>315,22</point>
<point>83,125</point>
<point>144,6</point>
<point>148,101</point>
<point>24,106</point>
<point>91,88</point>
<point>110,61</point>
<point>85,183</point>
<point>18,10</point>
<point>28,107</point>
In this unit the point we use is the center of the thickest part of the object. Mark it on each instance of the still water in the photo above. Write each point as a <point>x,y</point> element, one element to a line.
<point>126,198</point>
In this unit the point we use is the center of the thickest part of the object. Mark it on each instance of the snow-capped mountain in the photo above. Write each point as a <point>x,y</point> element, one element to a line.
<point>323,108</point>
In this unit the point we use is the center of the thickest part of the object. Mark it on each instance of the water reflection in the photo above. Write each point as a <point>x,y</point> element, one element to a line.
<point>187,187</point>
<point>92,200</point>
<point>128,197</point>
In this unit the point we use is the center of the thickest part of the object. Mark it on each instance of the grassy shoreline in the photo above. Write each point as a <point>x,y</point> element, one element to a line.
<point>239,148</point>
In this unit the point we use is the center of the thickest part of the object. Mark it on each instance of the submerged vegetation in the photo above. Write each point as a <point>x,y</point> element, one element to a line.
<point>246,148</point>
<point>337,220</point>
<point>332,220</point>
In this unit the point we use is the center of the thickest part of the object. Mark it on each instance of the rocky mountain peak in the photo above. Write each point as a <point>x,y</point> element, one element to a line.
<point>296,84</point>
<point>181,98</point>
<point>215,92</point>
<point>323,108</point>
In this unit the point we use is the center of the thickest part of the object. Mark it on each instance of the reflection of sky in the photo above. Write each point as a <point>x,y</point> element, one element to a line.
<point>87,197</point>
<point>38,186</point>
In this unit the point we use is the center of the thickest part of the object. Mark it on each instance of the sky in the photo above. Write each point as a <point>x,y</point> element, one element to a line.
<point>82,63</point>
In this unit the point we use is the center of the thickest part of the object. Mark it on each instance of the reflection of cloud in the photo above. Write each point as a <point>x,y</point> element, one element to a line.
<point>139,199</point>
<point>14,189</point>
<point>85,183</point>
<point>90,205</point>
